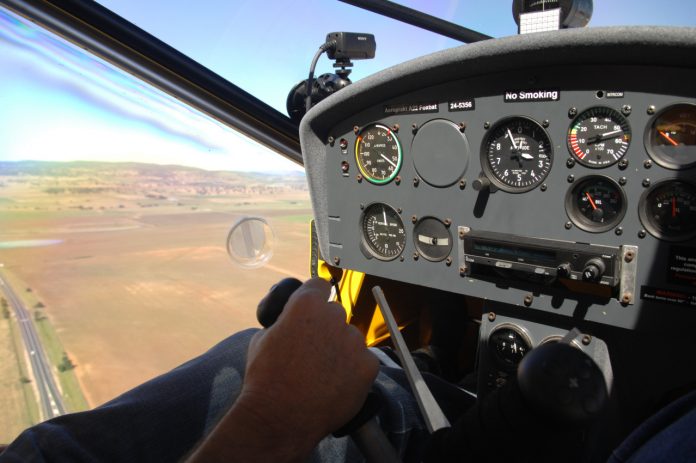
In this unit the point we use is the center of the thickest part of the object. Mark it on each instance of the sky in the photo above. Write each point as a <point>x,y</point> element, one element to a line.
<point>59,103</point>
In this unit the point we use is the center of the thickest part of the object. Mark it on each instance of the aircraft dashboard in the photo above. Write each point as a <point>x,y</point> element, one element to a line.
<point>551,177</point>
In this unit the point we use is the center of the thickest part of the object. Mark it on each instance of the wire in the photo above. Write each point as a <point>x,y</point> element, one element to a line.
<point>308,89</point>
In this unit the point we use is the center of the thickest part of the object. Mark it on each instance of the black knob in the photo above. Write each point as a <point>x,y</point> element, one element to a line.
<point>481,183</point>
<point>563,270</point>
<point>594,269</point>
<point>273,304</point>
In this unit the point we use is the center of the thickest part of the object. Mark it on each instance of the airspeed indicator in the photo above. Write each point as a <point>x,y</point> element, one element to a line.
<point>378,154</point>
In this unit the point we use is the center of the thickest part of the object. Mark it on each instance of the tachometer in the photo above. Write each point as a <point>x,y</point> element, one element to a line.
<point>516,154</point>
<point>599,137</point>
<point>668,210</point>
<point>596,203</point>
<point>383,231</point>
<point>378,153</point>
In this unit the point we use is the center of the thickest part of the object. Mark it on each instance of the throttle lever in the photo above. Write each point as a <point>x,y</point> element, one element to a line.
<point>363,427</point>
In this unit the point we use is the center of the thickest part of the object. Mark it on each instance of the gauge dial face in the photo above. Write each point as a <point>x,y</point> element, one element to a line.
<point>599,137</point>
<point>516,154</point>
<point>671,138</point>
<point>596,203</point>
<point>378,153</point>
<point>383,231</point>
<point>508,347</point>
<point>668,210</point>
<point>432,238</point>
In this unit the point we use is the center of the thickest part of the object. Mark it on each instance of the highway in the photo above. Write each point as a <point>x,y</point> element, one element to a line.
<point>49,394</point>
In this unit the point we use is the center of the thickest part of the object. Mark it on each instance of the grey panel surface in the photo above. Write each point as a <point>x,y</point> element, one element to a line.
<point>584,66</point>
<point>440,152</point>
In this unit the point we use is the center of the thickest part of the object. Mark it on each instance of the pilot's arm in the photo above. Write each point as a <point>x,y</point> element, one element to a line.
<point>306,376</point>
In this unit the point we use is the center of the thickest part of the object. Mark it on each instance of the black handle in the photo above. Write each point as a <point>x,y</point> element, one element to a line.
<point>271,306</point>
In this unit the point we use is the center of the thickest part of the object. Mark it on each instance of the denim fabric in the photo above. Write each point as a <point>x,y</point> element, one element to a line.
<point>163,419</point>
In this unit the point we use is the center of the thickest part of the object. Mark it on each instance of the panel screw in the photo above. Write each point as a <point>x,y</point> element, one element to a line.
<point>448,261</point>
<point>401,258</point>
<point>626,109</point>
<point>544,187</point>
<point>397,180</point>
<point>646,182</point>
<point>414,128</point>
<point>462,271</point>
<point>416,181</point>
<point>572,112</point>
<point>462,126</point>
<point>618,231</point>
<point>462,234</point>
<point>337,260</point>
<point>486,125</point>
<point>528,300</point>
<point>568,225</point>
<point>356,129</point>
<point>448,222</point>
<point>623,164</point>
<point>362,206</point>
<point>462,184</point>
<point>414,219</point>
<point>570,163</point>
<point>587,339</point>
<point>641,234</point>
<point>622,181</point>
<point>626,298</point>
<point>331,140</point>
<point>651,110</point>
<point>647,163</point>
<point>415,256</point>
<point>545,123</point>
<point>571,178</point>
<point>628,257</point>
<point>399,210</point>
<point>358,178</point>
<point>395,128</point>
<point>491,316</point>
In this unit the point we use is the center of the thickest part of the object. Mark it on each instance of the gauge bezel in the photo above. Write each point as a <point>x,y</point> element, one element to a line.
<point>579,117</point>
<point>488,170</point>
<point>521,331</point>
<point>647,222</point>
<point>417,244</point>
<point>659,158</point>
<point>367,176</point>
<point>365,242</point>
<point>579,219</point>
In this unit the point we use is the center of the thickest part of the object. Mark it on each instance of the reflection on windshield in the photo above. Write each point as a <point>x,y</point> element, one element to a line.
<point>115,207</point>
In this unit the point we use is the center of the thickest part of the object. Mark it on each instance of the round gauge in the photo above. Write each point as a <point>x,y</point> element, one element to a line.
<point>596,203</point>
<point>378,153</point>
<point>671,138</point>
<point>668,210</point>
<point>508,346</point>
<point>383,231</point>
<point>599,137</point>
<point>432,238</point>
<point>516,154</point>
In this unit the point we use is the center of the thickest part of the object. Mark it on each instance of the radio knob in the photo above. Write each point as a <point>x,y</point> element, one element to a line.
<point>594,269</point>
<point>563,270</point>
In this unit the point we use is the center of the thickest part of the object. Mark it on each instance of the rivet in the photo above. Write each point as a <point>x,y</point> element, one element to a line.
<point>622,181</point>
<point>618,231</point>
<point>651,110</point>
<point>486,125</point>
<point>568,225</point>
<point>448,261</point>
<point>587,339</point>
<point>544,187</point>
<point>331,140</point>
<point>491,316</point>
<point>570,163</point>
<point>641,234</point>
<point>414,219</point>
<point>395,128</point>
<point>545,123</point>
<point>626,109</point>
<point>571,178</point>
<point>337,260</point>
<point>397,180</point>
<point>646,182</point>
<point>448,222</point>
<point>416,181</point>
<point>356,129</point>
<point>528,300</point>
<point>572,112</point>
<point>647,163</point>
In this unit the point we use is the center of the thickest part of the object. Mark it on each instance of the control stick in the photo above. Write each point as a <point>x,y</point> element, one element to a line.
<point>363,427</point>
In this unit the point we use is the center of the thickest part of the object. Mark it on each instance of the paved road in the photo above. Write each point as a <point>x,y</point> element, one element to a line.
<point>51,400</point>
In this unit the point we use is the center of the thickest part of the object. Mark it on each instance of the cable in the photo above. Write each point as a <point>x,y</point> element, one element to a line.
<point>308,89</point>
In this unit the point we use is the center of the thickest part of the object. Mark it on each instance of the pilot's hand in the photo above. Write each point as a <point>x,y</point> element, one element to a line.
<point>306,376</point>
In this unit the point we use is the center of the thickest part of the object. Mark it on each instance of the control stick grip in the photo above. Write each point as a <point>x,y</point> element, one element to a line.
<point>271,306</point>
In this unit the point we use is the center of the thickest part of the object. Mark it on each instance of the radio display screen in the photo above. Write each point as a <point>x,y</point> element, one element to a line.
<point>515,253</point>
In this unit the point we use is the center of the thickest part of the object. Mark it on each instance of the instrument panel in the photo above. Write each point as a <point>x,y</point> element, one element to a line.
<point>583,173</point>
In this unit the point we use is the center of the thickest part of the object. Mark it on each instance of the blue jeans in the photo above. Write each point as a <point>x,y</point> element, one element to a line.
<point>163,419</point>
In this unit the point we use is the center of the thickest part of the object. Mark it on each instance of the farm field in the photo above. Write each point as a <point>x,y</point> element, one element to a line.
<point>129,264</point>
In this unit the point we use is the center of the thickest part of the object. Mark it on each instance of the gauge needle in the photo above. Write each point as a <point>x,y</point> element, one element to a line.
<point>433,241</point>
<point>512,140</point>
<point>388,160</point>
<point>592,203</point>
<point>668,138</point>
<point>674,206</point>
<point>384,213</point>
